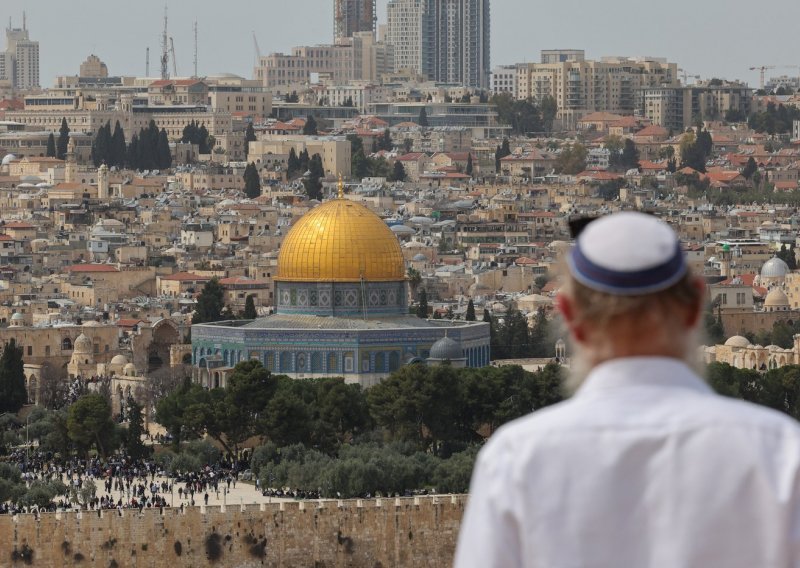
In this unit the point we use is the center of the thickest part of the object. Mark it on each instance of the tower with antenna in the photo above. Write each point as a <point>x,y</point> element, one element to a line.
<point>195,49</point>
<point>165,48</point>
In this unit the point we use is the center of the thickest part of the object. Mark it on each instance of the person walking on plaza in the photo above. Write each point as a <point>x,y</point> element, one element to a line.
<point>645,466</point>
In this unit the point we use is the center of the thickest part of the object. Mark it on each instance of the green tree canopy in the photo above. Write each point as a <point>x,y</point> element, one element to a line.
<point>210,303</point>
<point>89,424</point>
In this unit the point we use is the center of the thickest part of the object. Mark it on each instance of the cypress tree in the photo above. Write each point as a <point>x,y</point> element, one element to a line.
<point>51,146</point>
<point>163,152</point>
<point>12,378</point>
<point>63,140</point>
<point>202,140</point>
<point>292,164</point>
<point>250,308</point>
<point>470,315</point>
<point>117,157</point>
<point>422,307</point>
<point>310,127</point>
<point>423,117</point>
<point>469,165</point>
<point>249,136</point>
<point>252,183</point>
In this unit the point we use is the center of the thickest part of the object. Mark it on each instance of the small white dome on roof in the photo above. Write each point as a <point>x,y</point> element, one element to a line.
<point>8,158</point>
<point>774,268</point>
<point>737,341</point>
<point>129,370</point>
<point>17,317</point>
<point>776,299</point>
<point>82,344</point>
<point>119,360</point>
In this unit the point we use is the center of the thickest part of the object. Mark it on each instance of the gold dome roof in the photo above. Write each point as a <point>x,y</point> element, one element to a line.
<point>340,241</point>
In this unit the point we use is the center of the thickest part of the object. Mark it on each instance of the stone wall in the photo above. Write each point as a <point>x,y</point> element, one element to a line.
<point>371,533</point>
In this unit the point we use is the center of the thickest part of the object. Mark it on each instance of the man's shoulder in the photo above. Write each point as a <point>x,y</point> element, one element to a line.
<point>712,411</point>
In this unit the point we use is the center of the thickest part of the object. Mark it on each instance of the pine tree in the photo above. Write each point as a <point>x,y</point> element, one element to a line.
<point>423,118</point>
<point>422,307</point>
<point>250,308</point>
<point>210,303</point>
<point>63,140</point>
<point>252,183</point>
<point>51,146</point>
<point>310,127</point>
<point>12,378</point>
<point>470,315</point>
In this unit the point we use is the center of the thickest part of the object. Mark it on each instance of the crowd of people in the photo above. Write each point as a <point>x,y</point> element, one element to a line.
<point>118,483</point>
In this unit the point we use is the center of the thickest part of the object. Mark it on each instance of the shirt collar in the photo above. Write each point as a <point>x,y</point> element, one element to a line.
<point>631,372</point>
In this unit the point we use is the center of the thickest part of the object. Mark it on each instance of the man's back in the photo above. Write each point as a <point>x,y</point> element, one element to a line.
<point>645,466</point>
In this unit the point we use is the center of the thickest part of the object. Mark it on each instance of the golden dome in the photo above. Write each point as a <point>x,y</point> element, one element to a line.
<point>340,241</point>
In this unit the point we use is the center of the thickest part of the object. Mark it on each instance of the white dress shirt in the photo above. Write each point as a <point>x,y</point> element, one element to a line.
<point>644,467</point>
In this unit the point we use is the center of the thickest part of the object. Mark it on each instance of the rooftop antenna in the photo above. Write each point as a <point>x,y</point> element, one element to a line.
<point>195,49</point>
<point>24,20</point>
<point>165,49</point>
<point>147,63</point>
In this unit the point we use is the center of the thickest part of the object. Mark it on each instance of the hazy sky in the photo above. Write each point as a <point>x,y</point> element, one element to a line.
<point>706,37</point>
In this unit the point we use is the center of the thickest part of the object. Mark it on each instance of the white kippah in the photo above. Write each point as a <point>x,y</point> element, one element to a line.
<point>627,254</point>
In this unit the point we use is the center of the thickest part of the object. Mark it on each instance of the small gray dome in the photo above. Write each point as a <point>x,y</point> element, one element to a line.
<point>446,349</point>
<point>17,317</point>
<point>419,257</point>
<point>774,268</point>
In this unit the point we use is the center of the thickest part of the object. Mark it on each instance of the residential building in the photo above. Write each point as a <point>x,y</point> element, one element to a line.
<point>581,86</point>
<point>504,80</point>
<point>678,107</point>
<point>353,16</point>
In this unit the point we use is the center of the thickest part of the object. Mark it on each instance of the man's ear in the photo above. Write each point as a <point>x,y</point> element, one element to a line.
<point>566,308</point>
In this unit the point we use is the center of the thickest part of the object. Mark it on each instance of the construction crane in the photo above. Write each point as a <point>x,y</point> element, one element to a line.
<point>257,51</point>
<point>762,69</point>
<point>174,61</point>
<point>686,76</point>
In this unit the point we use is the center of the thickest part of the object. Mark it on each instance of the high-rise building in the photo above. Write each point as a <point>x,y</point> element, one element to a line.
<point>353,16</point>
<point>19,64</point>
<point>443,40</point>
